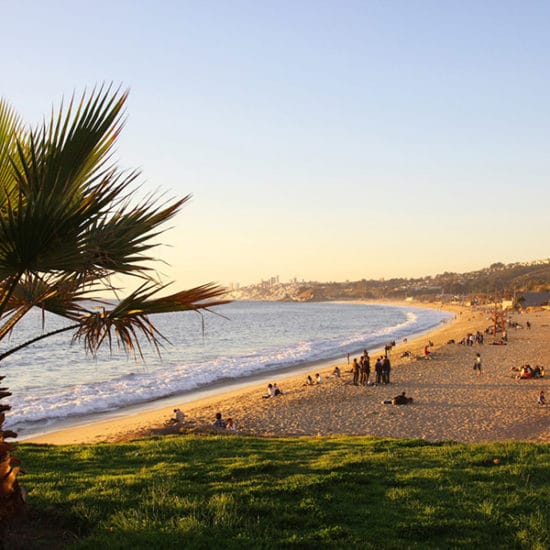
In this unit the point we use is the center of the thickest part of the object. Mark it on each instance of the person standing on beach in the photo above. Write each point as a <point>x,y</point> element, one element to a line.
<point>378,370</point>
<point>386,368</point>
<point>367,364</point>
<point>363,368</point>
<point>356,371</point>
<point>477,364</point>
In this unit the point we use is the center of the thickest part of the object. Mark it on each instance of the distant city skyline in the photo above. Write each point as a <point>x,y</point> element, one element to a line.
<point>321,140</point>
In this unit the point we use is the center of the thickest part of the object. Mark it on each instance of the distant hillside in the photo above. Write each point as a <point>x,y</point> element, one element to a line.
<point>498,280</point>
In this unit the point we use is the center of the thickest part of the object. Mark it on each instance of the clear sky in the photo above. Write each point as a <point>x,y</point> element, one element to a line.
<point>324,140</point>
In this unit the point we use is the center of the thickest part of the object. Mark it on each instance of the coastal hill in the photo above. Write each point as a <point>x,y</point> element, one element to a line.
<point>502,281</point>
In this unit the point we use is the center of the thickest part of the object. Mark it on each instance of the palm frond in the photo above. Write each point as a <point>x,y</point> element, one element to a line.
<point>128,320</point>
<point>10,129</point>
<point>58,294</point>
<point>73,210</point>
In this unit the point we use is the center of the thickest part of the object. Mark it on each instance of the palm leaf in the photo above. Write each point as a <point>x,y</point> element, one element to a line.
<point>10,128</point>
<point>128,320</point>
<point>73,210</point>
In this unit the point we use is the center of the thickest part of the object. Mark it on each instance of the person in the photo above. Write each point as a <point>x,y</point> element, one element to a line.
<point>318,378</point>
<point>365,368</point>
<point>219,422</point>
<point>427,352</point>
<point>276,390</point>
<point>386,368</point>
<point>309,381</point>
<point>270,392</point>
<point>178,418</point>
<point>541,400</point>
<point>401,399</point>
<point>347,357</point>
<point>378,370</point>
<point>477,364</point>
<point>356,370</point>
<point>230,425</point>
<point>336,372</point>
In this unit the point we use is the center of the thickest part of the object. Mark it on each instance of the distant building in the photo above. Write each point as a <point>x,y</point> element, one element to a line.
<point>534,299</point>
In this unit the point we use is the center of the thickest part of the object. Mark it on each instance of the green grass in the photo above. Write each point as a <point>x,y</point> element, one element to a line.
<point>334,492</point>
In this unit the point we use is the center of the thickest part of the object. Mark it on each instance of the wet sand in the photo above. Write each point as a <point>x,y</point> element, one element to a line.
<point>451,402</point>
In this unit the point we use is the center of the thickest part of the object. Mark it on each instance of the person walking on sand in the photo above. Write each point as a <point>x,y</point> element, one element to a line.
<point>541,400</point>
<point>477,364</point>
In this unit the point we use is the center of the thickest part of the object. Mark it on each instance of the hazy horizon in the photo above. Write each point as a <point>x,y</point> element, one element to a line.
<point>320,140</point>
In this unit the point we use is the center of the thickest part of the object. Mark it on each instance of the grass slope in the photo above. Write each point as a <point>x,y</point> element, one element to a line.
<point>326,492</point>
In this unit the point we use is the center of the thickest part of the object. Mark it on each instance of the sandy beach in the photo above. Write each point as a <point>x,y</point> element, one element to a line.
<point>451,402</point>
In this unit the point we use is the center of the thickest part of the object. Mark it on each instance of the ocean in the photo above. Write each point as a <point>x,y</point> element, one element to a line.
<point>54,383</point>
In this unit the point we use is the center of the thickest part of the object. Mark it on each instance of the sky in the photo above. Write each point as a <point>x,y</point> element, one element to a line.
<point>322,140</point>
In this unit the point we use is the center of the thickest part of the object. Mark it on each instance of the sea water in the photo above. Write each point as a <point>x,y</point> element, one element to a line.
<point>53,381</point>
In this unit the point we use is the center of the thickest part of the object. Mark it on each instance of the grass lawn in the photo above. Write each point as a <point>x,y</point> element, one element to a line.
<point>325,492</point>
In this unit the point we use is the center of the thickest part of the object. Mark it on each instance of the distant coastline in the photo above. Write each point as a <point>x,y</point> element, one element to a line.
<point>498,281</point>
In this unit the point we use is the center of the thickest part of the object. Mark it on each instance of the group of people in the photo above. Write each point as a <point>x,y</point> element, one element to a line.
<point>221,424</point>
<point>471,338</point>
<point>527,371</point>
<point>318,379</point>
<point>361,370</point>
<point>179,418</point>
<point>273,390</point>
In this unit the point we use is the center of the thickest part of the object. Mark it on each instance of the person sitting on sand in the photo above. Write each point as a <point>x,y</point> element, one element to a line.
<point>336,372</point>
<point>318,378</point>
<point>309,381</point>
<point>276,390</point>
<point>401,399</point>
<point>219,422</point>
<point>230,425</point>
<point>270,392</point>
<point>178,418</point>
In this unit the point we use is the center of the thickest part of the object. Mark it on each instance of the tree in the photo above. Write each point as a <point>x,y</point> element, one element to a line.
<point>68,224</point>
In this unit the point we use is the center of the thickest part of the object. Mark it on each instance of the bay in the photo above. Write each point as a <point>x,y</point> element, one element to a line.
<point>53,381</point>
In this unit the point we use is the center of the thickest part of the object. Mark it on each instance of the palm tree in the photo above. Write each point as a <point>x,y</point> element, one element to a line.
<point>68,224</point>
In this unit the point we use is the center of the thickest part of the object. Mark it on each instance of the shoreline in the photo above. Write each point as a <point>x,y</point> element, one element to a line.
<point>219,387</point>
<point>450,402</point>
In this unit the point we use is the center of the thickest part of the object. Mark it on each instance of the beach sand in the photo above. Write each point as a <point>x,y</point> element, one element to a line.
<point>451,402</point>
